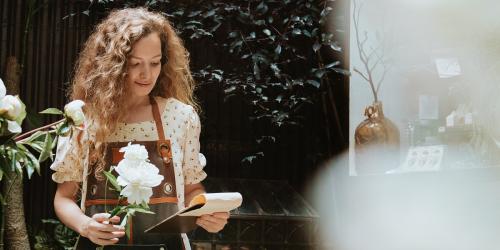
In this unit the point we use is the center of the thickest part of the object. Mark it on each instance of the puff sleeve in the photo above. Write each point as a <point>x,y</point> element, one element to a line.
<point>193,161</point>
<point>68,164</point>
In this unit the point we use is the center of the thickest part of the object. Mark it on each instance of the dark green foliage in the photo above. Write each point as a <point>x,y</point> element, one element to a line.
<point>267,51</point>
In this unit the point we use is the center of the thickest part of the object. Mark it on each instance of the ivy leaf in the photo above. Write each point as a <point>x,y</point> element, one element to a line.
<point>267,32</point>
<point>296,31</point>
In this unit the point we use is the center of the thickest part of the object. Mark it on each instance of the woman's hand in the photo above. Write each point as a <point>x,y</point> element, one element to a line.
<point>99,229</point>
<point>213,223</point>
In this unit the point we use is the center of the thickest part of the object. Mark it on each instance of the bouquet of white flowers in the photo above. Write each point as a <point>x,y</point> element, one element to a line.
<point>135,182</point>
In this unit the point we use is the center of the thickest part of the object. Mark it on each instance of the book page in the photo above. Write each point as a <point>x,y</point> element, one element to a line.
<point>214,202</point>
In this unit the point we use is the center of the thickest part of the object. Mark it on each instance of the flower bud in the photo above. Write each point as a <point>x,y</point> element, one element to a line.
<point>74,111</point>
<point>11,107</point>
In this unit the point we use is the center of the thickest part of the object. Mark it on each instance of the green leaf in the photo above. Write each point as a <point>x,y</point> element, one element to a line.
<point>194,22</point>
<point>319,73</point>
<point>35,164</point>
<point>117,211</point>
<point>278,49</point>
<point>142,210</point>
<point>262,7</point>
<point>331,65</point>
<point>316,46</point>
<point>12,157</point>
<point>35,137</point>
<point>47,149</point>
<point>296,31</point>
<point>256,71</point>
<point>306,33</point>
<point>229,90</point>
<point>342,71</point>
<point>52,111</point>
<point>335,47</point>
<point>249,159</point>
<point>267,32</point>
<point>194,13</point>
<point>63,129</point>
<point>112,179</point>
<point>314,83</point>
<point>233,34</point>
<point>259,22</point>
<point>275,69</point>
<point>217,76</point>
<point>209,13</point>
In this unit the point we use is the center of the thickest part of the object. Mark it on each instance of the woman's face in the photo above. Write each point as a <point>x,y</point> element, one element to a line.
<point>144,65</point>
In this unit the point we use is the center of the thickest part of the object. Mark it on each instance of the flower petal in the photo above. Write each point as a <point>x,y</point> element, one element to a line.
<point>3,90</point>
<point>13,127</point>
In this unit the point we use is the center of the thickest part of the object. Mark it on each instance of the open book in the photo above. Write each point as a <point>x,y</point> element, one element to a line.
<point>185,220</point>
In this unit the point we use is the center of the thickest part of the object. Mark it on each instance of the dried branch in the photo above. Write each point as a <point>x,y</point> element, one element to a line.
<point>362,55</point>
<point>372,59</point>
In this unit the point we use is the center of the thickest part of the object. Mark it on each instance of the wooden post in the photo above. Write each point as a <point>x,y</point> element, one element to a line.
<point>15,233</point>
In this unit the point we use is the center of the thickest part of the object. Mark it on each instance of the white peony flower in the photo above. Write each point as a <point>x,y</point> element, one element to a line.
<point>139,178</point>
<point>3,90</point>
<point>11,106</point>
<point>13,127</point>
<point>135,152</point>
<point>202,159</point>
<point>74,111</point>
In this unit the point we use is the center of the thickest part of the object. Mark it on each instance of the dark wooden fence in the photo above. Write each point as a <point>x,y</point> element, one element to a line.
<point>52,45</point>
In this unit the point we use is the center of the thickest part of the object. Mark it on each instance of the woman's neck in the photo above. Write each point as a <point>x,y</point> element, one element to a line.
<point>137,102</point>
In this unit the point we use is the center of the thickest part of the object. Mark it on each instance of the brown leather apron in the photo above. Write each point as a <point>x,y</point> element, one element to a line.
<point>100,198</point>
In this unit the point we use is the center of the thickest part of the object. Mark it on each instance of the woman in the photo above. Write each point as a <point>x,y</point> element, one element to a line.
<point>133,74</point>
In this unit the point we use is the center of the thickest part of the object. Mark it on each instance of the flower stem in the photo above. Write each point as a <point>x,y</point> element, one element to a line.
<point>22,136</point>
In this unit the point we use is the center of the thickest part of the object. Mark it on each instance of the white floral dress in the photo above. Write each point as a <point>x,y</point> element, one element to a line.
<point>181,125</point>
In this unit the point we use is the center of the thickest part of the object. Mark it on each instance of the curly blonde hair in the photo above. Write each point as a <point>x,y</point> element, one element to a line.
<point>101,71</point>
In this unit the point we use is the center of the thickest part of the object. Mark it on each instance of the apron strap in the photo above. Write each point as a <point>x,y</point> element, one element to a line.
<point>163,145</point>
<point>157,117</point>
